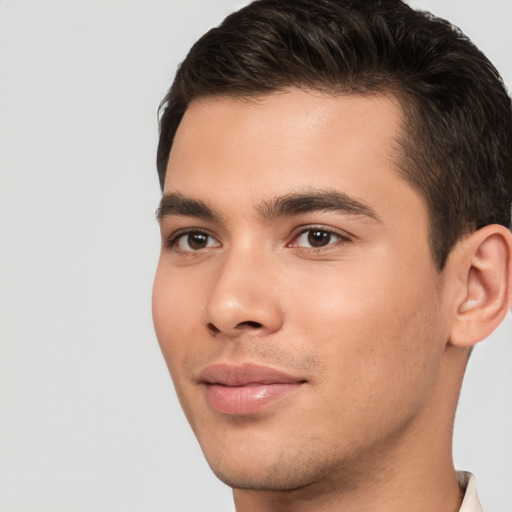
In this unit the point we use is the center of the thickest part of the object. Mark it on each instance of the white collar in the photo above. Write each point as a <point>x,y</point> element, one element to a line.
<point>467,483</point>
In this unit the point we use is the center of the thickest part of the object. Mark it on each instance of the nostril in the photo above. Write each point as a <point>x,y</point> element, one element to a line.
<point>212,328</point>
<point>250,323</point>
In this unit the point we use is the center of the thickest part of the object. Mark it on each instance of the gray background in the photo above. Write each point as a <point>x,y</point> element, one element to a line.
<point>88,417</point>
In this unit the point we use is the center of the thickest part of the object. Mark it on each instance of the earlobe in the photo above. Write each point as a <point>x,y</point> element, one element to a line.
<point>484,270</point>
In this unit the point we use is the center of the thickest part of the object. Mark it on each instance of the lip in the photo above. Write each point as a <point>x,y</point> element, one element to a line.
<point>246,389</point>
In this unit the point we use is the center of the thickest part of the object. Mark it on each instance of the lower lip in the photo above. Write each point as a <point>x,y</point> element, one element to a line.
<point>248,399</point>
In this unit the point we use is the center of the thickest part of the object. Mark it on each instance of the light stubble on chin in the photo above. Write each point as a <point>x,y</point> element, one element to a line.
<point>295,472</point>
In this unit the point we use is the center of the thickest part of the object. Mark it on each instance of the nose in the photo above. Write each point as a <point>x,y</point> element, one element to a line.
<point>244,298</point>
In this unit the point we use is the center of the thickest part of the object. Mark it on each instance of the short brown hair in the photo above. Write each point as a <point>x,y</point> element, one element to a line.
<point>457,147</point>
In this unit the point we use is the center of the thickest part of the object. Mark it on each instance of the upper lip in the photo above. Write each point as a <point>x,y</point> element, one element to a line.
<point>227,374</point>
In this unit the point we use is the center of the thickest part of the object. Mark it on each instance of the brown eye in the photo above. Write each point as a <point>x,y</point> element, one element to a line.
<point>318,238</point>
<point>197,240</point>
<point>194,241</point>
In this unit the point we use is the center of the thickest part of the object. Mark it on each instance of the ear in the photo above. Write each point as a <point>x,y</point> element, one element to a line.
<point>482,267</point>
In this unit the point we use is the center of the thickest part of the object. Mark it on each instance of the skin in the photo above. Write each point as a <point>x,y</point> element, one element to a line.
<point>363,320</point>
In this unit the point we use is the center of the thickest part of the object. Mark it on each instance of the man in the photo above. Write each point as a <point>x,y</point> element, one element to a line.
<point>337,179</point>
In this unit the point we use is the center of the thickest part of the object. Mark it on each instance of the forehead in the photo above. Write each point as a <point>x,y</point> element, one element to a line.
<point>250,150</point>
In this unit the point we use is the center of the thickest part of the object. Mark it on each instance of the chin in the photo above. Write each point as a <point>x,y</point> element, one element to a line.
<point>276,472</point>
<point>249,479</point>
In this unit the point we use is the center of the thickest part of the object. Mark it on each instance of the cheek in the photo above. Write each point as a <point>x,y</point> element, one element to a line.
<point>175,317</point>
<point>371,327</point>
<point>176,309</point>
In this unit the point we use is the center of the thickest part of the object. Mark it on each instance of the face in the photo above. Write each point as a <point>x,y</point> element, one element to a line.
<point>296,301</point>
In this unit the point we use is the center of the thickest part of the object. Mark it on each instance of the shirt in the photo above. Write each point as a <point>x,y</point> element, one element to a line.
<point>467,483</point>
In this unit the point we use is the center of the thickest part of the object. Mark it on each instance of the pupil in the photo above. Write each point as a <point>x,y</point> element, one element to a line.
<point>197,240</point>
<point>317,238</point>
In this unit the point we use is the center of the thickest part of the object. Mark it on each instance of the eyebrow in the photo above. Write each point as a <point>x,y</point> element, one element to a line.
<point>315,201</point>
<point>285,206</point>
<point>177,204</point>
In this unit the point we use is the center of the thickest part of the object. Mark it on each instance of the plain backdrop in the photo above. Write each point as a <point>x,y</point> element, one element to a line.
<point>88,417</point>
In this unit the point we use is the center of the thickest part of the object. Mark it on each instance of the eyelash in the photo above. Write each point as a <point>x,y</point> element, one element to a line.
<point>173,240</point>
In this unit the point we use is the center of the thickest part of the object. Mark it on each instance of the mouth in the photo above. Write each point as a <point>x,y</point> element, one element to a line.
<point>246,389</point>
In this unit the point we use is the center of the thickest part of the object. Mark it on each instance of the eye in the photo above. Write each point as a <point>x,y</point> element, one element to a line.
<point>192,241</point>
<point>316,238</point>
